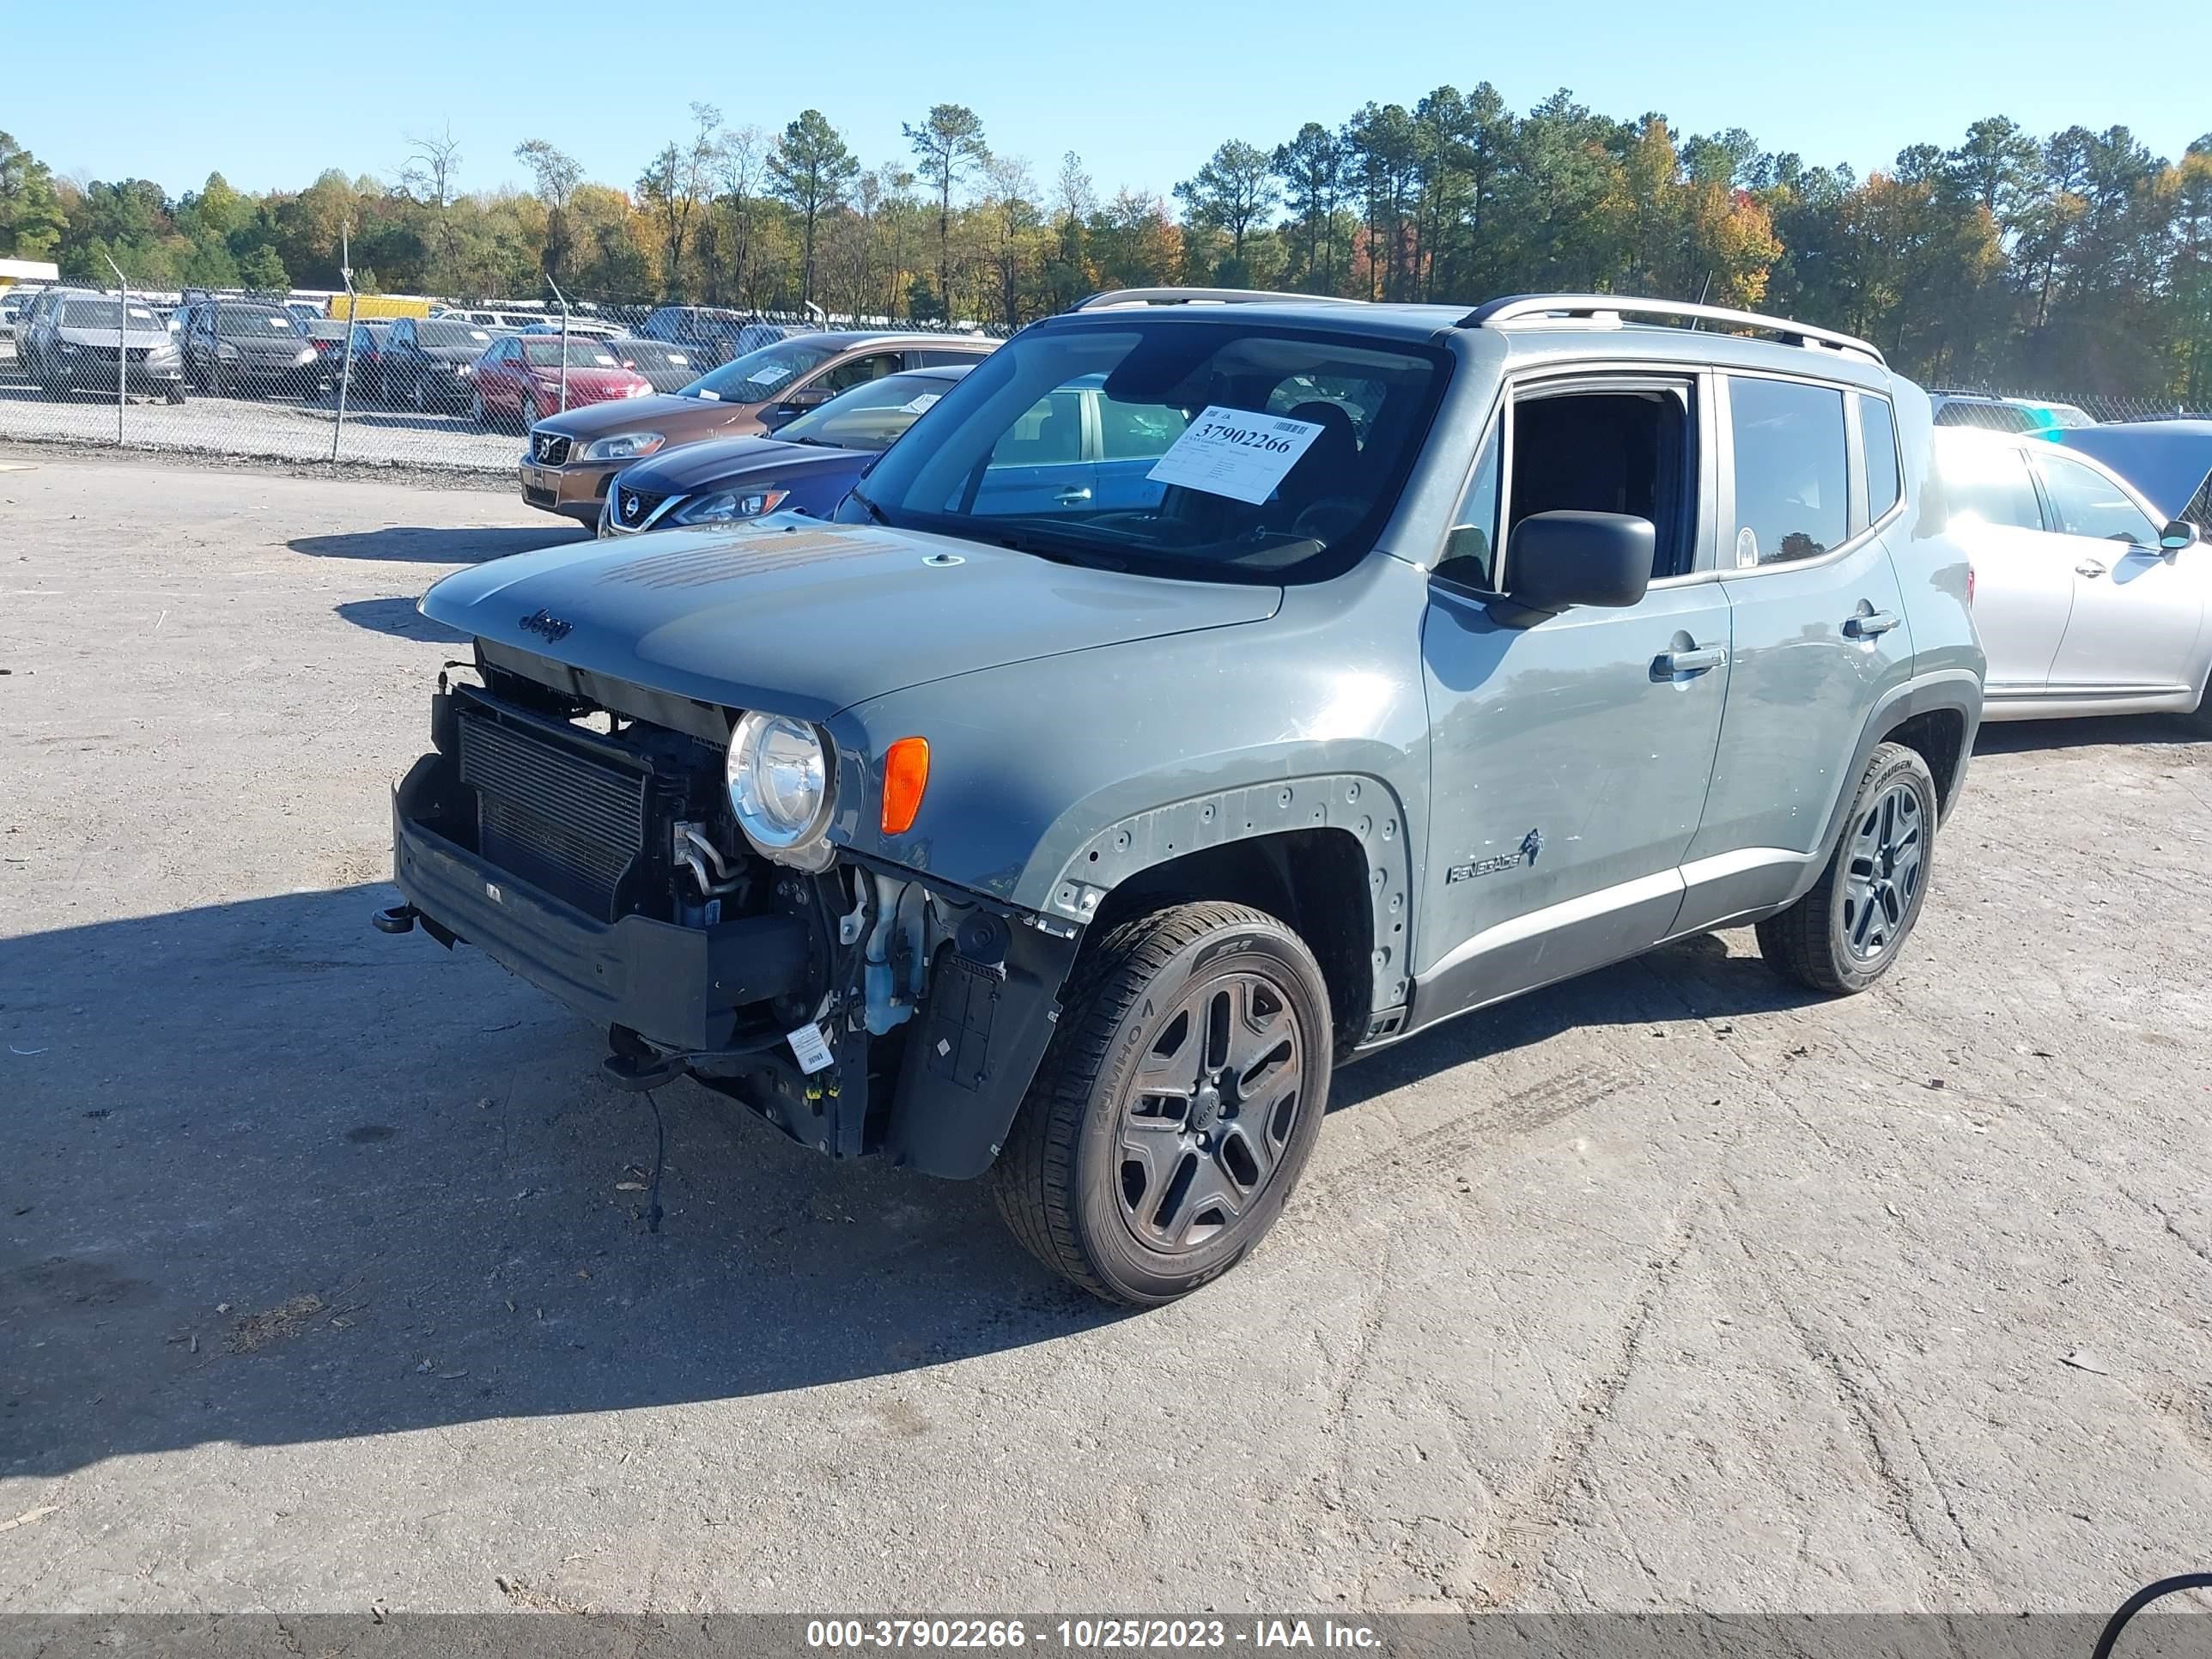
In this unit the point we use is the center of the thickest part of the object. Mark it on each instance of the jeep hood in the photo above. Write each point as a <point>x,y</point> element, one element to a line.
<point>807,618</point>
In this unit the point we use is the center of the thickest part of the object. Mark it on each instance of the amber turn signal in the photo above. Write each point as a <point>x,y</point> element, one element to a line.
<point>906,774</point>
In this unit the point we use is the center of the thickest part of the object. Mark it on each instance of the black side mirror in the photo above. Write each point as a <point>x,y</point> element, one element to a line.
<point>2177,535</point>
<point>1556,560</point>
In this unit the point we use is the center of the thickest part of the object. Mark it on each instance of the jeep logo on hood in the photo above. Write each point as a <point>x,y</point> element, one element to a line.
<point>546,624</point>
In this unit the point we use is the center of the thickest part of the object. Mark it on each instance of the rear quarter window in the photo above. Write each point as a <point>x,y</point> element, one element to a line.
<point>1878,439</point>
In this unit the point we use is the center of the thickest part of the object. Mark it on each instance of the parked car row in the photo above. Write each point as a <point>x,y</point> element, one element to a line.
<point>573,455</point>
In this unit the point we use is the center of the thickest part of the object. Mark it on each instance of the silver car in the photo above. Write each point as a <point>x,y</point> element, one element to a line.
<point>71,342</point>
<point>2088,601</point>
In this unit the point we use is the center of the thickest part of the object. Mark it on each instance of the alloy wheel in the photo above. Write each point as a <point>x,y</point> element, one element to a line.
<point>1883,876</point>
<point>1209,1112</point>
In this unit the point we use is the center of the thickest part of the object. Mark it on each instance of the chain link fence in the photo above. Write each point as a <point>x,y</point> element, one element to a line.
<point>371,380</point>
<point>403,380</point>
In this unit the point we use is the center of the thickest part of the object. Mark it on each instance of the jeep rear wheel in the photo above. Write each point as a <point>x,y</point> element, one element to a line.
<point>1177,1104</point>
<point>1844,935</point>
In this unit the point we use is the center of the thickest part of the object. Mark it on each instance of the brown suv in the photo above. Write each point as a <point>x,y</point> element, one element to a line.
<point>573,455</point>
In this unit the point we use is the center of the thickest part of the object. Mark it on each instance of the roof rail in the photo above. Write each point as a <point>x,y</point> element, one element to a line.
<point>1523,308</point>
<point>1188,296</point>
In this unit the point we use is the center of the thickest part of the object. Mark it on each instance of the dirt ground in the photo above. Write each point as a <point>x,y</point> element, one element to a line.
<point>324,1280</point>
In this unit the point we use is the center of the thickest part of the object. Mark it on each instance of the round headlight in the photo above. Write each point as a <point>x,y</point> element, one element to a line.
<point>779,779</point>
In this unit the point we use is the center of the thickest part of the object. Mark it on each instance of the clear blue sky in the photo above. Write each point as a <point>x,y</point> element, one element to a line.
<point>271,93</point>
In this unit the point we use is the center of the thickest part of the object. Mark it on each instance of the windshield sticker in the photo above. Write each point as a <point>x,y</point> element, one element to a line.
<point>1235,452</point>
<point>711,396</point>
<point>916,405</point>
<point>768,375</point>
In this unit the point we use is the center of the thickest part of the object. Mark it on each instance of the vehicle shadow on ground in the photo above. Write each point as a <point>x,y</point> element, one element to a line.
<point>439,544</point>
<point>1694,978</point>
<point>270,1177</point>
<point>2027,736</point>
<point>400,619</point>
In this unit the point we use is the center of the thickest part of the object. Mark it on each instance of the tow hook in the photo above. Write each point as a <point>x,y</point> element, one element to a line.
<point>395,919</point>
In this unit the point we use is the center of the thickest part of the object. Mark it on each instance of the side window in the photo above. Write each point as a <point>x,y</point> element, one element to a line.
<point>1138,432</point>
<point>1470,554</point>
<point>1049,433</point>
<point>1989,483</point>
<point>1790,471</point>
<point>2088,503</point>
<point>859,371</point>
<point>1630,451</point>
<point>938,357</point>
<point>1878,440</point>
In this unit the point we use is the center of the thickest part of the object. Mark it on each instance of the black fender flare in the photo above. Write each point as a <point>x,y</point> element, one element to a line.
<point>1361,805</point>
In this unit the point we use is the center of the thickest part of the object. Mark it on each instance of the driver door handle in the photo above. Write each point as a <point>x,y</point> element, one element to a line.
<point>1073,497</point>
<point>1871,627</point>
<point>2090,568</point>
<point>1667,664</point>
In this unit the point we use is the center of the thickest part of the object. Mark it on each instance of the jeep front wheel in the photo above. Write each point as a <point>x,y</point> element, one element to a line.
<point>1842,935</point>
<point>1176,1106</point>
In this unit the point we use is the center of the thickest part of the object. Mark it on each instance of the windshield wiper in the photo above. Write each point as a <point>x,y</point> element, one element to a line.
<point>1058,549</point>
<point>819,443</point>
<point>867,507</point>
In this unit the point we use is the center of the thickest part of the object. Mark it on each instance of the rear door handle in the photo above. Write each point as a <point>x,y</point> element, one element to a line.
<point>2090,568</point>
<point>1669,664</point>
<point>1072,497</point>
<point>1871,627</point>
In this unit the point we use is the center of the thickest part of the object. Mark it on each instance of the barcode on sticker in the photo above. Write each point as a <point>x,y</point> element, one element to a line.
<point>809,1049</point>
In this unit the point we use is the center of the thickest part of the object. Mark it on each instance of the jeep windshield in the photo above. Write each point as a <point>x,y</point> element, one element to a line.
<point>1225,450</point>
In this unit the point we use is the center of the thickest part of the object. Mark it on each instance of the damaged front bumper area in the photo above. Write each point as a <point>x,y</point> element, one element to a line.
<point>594,855</point>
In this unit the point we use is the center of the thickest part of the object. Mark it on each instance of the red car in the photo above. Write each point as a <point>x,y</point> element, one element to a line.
<point>518,380</point>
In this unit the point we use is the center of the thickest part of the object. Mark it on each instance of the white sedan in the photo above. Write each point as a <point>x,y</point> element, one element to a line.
<point>2088,600</point>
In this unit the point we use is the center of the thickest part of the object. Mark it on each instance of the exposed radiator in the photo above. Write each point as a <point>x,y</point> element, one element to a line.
<point>565,821</point>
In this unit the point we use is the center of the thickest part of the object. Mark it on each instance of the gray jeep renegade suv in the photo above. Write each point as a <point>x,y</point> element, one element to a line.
<point>1211,689</point>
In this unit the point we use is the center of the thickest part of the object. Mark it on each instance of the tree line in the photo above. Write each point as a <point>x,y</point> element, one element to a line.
<point>2075,262</point>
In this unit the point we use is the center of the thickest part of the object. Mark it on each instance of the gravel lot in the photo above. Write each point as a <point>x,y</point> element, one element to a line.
<point>323,1280</point>
<point>274,428</point>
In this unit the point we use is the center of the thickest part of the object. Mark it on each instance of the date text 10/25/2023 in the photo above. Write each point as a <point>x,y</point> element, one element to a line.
<point>1099,1635</point>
